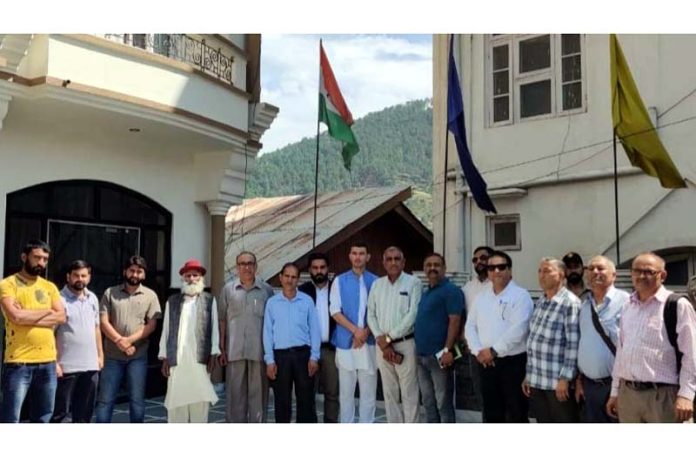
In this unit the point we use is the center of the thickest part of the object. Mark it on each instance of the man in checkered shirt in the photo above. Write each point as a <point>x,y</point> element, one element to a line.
<point>552,347</point>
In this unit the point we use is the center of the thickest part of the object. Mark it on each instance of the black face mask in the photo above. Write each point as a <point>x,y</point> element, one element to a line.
<point>319,278</point>
<point>37,270</point>
<point>575,278</point>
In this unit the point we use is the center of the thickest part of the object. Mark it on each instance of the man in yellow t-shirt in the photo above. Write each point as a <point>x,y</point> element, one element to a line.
<point>32,308</point>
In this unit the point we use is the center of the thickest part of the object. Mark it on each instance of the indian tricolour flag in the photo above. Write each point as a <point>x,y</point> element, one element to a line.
<point>334,112</point>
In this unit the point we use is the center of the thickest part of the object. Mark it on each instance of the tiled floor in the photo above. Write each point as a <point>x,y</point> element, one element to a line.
<point>156,412</point>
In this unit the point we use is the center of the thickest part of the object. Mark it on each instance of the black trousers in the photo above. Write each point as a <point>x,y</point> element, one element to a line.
<point>76,395</point>
<point>547,408</point>
<point>293,370</point>
<point>501,389</point>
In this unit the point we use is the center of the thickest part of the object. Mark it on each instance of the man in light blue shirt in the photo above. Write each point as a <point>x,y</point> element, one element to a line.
<point>80,352</point>
<point>291,344</point>
<point>595,357</point>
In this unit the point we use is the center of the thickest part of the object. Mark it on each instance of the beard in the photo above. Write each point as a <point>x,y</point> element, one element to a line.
<point>319,278</point>
<point>575,278</point>
<point>133,281</point>
<point>480,269</point>
<point>78,285</point>
<point>192,289</point>
<point>34,270</point>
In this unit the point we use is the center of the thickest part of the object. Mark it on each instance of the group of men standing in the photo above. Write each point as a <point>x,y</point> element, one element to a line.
<point>598,354</point>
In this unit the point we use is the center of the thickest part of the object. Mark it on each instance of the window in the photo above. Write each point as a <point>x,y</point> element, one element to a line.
<point>533,77</point>
<point>503,232</point>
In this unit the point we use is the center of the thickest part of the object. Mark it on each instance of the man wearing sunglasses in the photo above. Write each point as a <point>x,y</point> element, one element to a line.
<point>647,384</point>
<point>496,332</point>
<point>477,284</point>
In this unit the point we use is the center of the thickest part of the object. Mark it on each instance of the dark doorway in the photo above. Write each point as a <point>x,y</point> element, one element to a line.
<point>107,246</point>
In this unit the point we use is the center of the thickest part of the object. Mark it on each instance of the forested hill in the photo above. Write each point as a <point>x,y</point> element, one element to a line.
<point>395,149</point>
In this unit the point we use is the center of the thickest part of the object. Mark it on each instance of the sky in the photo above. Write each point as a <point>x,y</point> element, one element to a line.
<point>373,72</point>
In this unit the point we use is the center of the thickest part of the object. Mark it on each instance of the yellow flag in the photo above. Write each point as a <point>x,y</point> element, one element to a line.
<point>633,126</point>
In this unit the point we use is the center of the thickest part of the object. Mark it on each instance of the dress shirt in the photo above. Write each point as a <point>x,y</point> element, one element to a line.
<point>644,352</point>
<point>354,359</point>
<point>500,321</point>
<point>392,307</point>
<point>552,346</point>
<point>290,322</point>
<point>323,312</point>
<point>472,289</point>
<point>243,310</point>
<point>595,360</point>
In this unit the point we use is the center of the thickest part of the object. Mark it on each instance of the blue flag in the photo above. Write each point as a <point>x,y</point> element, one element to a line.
<point>455,124</point>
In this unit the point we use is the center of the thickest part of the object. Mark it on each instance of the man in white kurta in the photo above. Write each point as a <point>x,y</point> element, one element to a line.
<point>190,391</point>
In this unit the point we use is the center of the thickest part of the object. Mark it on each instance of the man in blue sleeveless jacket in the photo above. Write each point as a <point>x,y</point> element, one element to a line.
<point>355,346</point>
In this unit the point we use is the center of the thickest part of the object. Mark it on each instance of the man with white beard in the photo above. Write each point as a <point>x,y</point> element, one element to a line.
<point>189,344</point>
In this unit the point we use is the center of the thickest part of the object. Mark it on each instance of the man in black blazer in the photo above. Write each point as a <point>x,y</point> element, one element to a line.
<point>318,290</point>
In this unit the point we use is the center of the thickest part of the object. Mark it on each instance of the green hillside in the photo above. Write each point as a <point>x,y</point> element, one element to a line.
<point>395,149</point>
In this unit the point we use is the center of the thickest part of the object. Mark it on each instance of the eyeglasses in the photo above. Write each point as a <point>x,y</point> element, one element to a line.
<point>482,258</point>
<point>497,266</point>
<point>644,272</point>
<point>246,264</point>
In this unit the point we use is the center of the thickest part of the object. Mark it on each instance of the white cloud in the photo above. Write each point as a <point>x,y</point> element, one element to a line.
<point>373,71</point>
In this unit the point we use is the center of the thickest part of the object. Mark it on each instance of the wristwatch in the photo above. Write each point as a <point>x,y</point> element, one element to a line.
<point>388,339</point>
<point>494,353</point>
<point>445,350</point>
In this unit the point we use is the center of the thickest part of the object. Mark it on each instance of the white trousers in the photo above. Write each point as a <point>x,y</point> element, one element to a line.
<point>367,381</point>
<point>400,384</point>
<point>195,413</point>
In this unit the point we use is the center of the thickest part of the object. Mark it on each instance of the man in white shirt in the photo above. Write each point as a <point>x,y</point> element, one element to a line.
<point>355,345</point>
<point>189,345</point>
<point>477,284</point>
<point>496,331</point>
<point>318,290</point>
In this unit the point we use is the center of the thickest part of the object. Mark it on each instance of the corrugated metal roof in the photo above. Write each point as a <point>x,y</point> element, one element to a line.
<point>279,229</point>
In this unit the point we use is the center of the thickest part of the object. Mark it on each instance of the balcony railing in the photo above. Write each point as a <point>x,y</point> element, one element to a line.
<point>182,48</point>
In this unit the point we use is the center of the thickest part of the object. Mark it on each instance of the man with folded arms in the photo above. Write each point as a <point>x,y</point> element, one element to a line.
<point>647,385</point>
<point>496,332</point>
<point>602,308</point>
<point>391,314</point>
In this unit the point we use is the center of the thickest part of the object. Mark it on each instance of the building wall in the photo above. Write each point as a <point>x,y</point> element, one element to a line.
<point>34,157</point>
<point>569,211</point>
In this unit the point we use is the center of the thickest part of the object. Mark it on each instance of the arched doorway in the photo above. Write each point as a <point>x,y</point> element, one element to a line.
<point>97,221</point>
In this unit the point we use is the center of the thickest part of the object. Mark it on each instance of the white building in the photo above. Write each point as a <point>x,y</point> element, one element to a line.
<point>538,120</point>
<point>119,144</point>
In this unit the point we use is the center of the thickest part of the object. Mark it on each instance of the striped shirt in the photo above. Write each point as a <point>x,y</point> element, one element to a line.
<point>644,352</point>
<point>552,346</point>
<point>392,307</point>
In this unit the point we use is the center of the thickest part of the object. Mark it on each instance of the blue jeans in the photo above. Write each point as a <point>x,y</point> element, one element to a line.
<point>437,390</point>
<point>110,381</point>
<point>37,381</point>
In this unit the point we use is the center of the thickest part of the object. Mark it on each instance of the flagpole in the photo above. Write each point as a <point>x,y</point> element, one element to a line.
<point>616,201</point>
<point>316,166</point>
<point>444,194</point>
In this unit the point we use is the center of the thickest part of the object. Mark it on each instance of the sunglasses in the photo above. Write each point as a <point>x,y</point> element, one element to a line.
<point>482,258</point>
<point>498,266</point>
